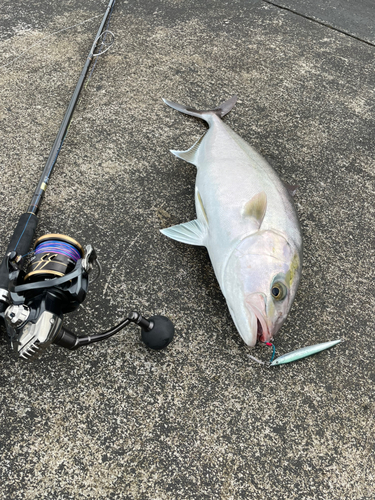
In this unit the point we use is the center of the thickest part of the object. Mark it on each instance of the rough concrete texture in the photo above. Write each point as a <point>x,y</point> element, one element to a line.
<point>356,19</point>
<point>199,420</point>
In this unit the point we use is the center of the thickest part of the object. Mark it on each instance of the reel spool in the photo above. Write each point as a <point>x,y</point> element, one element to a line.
<point>55,255</point>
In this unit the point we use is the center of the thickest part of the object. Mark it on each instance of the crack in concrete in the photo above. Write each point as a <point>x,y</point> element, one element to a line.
<point>318,21</point>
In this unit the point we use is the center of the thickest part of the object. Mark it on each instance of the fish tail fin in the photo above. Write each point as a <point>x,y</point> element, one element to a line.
<point>220,111</point>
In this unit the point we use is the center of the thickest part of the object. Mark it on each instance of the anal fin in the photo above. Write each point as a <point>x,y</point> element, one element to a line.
<point>191,233</point>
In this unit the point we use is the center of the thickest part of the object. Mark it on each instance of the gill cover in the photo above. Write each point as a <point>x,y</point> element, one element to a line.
<point>260,266</point>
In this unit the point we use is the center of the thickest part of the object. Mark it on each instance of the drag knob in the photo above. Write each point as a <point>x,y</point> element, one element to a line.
<point>161,333</point>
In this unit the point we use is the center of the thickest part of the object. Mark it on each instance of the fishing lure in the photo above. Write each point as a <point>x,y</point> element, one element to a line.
<point>303,352</point>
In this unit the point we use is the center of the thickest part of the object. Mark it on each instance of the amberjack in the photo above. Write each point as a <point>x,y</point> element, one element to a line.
<point>247,221</point>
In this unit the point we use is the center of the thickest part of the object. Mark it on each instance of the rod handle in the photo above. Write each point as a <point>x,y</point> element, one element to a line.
<point>23,235</point>
<point>20,242</point>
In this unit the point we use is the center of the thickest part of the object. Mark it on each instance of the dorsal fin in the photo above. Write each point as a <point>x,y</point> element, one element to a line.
<point>291,188</point>
<point>190,154</point>
<point>256,208</point>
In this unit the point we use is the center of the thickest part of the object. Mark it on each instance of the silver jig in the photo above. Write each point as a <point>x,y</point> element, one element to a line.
<point>303,352</point>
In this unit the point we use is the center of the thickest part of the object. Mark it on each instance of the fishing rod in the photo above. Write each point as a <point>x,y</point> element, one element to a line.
<point>37,289</point>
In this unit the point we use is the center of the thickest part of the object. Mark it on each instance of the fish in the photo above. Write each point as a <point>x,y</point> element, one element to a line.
<point>247,221</point>
<point>303,352</point>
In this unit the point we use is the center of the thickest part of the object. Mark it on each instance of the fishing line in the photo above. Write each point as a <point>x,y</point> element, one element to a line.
<point>19,239</point>
<point>45,38</point>
<point>256,359</point>
<point>269,344</point>
<point>55,255</point>
<point>59,247</point>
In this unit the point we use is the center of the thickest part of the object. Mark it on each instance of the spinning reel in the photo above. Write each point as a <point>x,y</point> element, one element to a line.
<point>54,283</point>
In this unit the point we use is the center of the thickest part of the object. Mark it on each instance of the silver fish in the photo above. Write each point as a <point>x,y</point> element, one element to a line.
<point>247,221</point>
<point>303,352</point>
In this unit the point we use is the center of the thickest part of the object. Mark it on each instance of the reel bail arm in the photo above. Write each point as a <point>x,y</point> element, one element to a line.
<point>20,242</point>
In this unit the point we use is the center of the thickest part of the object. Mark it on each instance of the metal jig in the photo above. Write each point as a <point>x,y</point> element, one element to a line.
<point>303,353</point>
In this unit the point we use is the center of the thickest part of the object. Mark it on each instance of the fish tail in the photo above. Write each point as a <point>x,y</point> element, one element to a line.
<point>220,111</point>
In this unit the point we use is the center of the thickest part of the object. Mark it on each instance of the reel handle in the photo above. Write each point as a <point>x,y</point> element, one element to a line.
<point>157,333</point>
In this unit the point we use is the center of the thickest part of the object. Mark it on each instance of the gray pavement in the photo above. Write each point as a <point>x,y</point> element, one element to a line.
<point>199,420</point>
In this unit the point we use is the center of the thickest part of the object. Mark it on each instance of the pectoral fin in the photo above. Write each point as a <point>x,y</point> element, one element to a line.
<point>192,232</point>
<point>255,209</point>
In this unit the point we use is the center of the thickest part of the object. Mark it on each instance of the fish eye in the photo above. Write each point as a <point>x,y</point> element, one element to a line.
<point>278,291</point>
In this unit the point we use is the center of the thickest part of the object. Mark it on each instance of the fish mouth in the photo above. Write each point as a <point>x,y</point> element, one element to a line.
<point>263,333</point>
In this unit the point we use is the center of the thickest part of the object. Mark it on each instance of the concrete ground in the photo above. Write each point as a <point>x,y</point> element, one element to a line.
<point>200,420</point>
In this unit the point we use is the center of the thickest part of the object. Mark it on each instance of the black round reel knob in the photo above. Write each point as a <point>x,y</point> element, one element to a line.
<point>161,334</point>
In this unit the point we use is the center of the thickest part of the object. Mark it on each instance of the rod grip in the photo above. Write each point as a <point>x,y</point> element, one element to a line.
<point>23,235</point>
<point>20,242</point>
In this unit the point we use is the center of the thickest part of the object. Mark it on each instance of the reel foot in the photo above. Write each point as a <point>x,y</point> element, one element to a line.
<point>161,334</point>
